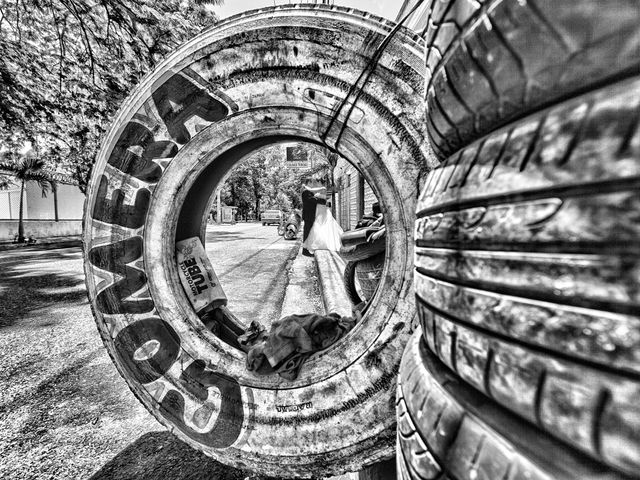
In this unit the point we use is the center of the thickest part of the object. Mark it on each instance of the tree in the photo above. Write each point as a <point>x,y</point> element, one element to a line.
<point>5,182</point>
<point>27,169</point>
<point>255,172</point>
<point>236,191</point>
<point>66,65</point>
<point>281,202</point>
<point>54,189</point>
<point>265,180</point>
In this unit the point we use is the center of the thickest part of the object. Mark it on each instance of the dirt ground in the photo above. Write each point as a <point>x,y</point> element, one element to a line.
<point>65,413</point>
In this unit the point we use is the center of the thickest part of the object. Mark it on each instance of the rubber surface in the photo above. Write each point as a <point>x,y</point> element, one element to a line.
<point>273,75</point>
<point>349,280</point>
<point>364,250</point>
<point>591,409</point>
<point>493,61</point>
<point>447,430</point>
<point>369,274</point>
<point>527,269</point>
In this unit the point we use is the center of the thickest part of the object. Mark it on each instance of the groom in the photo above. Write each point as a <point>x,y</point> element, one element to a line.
<point>309,202</point>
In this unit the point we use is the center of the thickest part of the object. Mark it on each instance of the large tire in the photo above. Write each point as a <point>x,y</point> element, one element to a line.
<point>369,274</point>
<point>528,261</point>
<point>447,430</point>
<point>491,61</point>
<point>277,74</point>
<point>349,280</point>
<point>587,407</point>
<point>364,250</point>
<point>290,235</point>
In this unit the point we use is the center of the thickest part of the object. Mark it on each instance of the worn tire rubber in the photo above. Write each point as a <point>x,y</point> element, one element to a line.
<point>447,430</point>
<point>349,279</point>
<point>489,62</point>
<point>528,269</point>
<point>364,250</point>
<point>588,408</point>
<point>271,75</point>
<point>369,273</point>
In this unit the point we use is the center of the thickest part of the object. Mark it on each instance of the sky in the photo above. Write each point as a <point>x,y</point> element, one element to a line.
<point>387,9</point>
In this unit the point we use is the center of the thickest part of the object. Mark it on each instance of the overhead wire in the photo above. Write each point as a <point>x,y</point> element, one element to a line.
<point>358,86</point>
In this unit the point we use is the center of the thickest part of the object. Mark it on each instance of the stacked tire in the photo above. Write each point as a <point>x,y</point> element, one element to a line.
<point>263,77</point>
<point>527,252</point>
<point>364,267</point>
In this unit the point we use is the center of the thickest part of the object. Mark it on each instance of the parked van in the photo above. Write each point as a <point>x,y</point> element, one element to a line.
<point>270,217</point>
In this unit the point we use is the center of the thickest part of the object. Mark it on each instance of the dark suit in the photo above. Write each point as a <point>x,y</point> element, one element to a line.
<point>309,203</point>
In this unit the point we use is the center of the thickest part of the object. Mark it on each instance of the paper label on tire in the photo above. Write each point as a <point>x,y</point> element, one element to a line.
<point>197,275</point>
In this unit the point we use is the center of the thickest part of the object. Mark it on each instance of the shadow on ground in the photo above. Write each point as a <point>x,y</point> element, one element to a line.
<point>231,237</point>
<point>161,455</point>
<point>29,281</point>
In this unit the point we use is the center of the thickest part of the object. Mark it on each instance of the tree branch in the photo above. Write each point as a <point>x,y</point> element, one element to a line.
<point>60,46</point>
<point>87,41</point>
<point>1,17</point>
<point>18,22</point>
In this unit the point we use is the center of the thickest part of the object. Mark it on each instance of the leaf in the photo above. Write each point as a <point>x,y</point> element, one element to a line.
<point>65,67</point>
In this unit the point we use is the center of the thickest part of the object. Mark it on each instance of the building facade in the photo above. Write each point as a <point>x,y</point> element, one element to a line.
<point>353,196</point>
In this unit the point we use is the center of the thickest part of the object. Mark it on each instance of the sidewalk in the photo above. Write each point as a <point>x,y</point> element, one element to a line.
<point>46,243</point>
<point>330,268</point>
<point>316,285</point>
<point>303,294</point>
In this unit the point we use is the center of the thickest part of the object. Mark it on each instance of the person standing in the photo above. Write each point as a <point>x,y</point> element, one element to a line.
<point>309,202</point>
<point>324,232</point>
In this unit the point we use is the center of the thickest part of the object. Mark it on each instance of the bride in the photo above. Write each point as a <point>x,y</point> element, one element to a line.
<point>325,231</point>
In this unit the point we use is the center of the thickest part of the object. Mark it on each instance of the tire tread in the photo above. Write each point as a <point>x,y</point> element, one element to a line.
<point>511,85</point>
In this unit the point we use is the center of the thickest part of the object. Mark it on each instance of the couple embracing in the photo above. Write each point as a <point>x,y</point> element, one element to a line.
<point>321,231</point>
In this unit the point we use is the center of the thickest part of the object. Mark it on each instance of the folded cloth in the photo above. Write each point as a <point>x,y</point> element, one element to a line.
<point>291,341</point>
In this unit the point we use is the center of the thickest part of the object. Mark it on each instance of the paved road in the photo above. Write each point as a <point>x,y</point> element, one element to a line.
<point>64,410</point>
<point>252,264</point>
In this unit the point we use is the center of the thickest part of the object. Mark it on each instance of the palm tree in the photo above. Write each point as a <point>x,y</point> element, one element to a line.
<point>27,169</point>
<point>5,182</point>
<point>54,189</point>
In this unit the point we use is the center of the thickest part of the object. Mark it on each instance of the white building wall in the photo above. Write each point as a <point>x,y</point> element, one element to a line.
<point>37,207</point>
<point>70,202</point>
<point>10,203</point>
<point>40,229</point>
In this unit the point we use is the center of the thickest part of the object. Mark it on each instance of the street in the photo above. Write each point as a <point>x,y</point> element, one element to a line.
<point>65,412</point>
<point>252,262</point>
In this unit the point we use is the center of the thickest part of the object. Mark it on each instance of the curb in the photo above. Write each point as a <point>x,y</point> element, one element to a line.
<point>330,269</point>
<point>45,243</point>
<point>301,293</point>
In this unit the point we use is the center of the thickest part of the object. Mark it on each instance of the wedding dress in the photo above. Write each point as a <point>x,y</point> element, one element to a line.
<point>325,232</point>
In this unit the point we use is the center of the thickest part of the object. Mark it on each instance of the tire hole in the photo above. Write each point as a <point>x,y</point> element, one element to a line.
<point>245,253</point>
